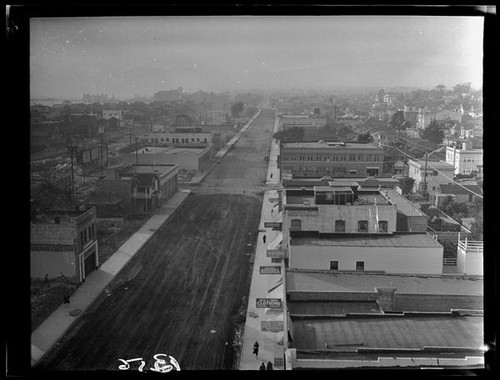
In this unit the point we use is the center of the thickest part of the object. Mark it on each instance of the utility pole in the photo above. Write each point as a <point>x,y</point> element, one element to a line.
<point>71,151</point>
<point>425,176</point>
<point>136,153</point>
<point>101,132</point>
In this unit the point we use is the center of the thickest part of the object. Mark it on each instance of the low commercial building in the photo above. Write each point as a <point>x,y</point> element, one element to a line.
<point>395,253</point>
<point>64,242</point>
<point>465,160</point>
<point>338,319</point>
<point>192,158</point>
<point>342,226</point>
<point>336,159</point>
<point>134,189</point>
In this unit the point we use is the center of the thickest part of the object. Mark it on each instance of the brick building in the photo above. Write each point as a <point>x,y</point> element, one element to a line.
<point>337,159</point>
<point>64,242</point>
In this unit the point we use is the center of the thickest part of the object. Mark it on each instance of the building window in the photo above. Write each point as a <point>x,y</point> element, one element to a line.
<point>360,157</point>
<point>375,158</point>
<point>360,265</point>
<point>296,225</point>
<point>363,226</point>
<point>334,265</point>
<point>340,226</point>
<point>368,157</point>
<point>434,173</point>
<point>204,140</point>
<point>383,226</point>
<point>352,157</point>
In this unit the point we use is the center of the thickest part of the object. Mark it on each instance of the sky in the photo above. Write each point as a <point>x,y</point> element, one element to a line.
<point>142,55</point>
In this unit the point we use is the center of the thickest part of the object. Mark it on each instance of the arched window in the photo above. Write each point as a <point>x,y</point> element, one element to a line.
<point>340,226</point>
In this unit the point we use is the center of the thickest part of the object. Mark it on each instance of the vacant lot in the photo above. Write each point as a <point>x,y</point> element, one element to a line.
<point>183,293</point>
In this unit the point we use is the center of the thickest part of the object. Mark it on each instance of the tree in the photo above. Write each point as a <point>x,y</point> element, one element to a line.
<point>237,109</point>
<point>293,134</point>
<point>250,111</point>
<point>462,88</point>
<point>406,185</point>
<point>365,138</point>
<point>433,133</point>
<point>397,121</point>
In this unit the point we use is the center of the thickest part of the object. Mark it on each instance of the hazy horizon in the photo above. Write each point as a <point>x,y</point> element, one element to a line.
<point>132,56</point>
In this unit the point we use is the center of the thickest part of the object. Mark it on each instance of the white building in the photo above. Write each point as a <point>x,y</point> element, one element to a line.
<point>117,114</point>
<point>396,253</point>
<point>438,172</point>
<point>465,160</point>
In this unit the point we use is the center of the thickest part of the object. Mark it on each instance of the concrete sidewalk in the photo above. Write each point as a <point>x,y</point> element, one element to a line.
<point>53,328</point>
<point>265,285</point>
<point>197,179</point>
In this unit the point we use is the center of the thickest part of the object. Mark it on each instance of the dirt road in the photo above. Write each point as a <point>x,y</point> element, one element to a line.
<point>180,295</point>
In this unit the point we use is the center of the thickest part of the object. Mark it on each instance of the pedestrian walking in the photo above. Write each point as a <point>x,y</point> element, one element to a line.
<point>46,281</point>
<point>262,367</point>
<point>269,366</point>
<point>66,300</point>
<point>264,239</point>
<point>271,175</point>
<point>256,349</point>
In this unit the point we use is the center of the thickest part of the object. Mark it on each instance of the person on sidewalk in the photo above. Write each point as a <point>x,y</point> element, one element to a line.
<point>66,300</point>
<point>262,367</point>
<point>264,239</point>
<point>269,366</point>
<point>256,349</point>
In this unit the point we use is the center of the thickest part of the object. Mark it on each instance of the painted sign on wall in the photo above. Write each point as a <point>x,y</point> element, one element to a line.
<point>272,303</point>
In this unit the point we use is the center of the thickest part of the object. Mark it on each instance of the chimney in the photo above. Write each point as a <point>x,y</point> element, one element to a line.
<point>386,298</point>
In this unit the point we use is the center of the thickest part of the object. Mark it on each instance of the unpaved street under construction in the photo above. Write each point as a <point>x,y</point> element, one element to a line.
<point>183,292</point>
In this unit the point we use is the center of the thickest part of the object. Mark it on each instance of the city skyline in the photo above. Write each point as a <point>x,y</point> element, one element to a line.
<point>132,56</point>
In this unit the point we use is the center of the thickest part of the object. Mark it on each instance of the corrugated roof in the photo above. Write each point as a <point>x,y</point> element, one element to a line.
<point>393,332</point>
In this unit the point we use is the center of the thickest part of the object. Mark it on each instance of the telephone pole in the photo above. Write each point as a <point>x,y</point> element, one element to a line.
<point>72,149</point>
<point>425,176</point>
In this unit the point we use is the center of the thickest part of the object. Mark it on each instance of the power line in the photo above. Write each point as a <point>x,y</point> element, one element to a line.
<point>452,180</point>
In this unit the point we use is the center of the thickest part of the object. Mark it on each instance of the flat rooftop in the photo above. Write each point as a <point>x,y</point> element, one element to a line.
<point>170,149</point>
<point>327,281</point>
<point>410,240</point>
<point>147,169</point>
<point>364,198</point>
<point>333,308</point>
<point>388,332</point>
<point>324,145</point>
